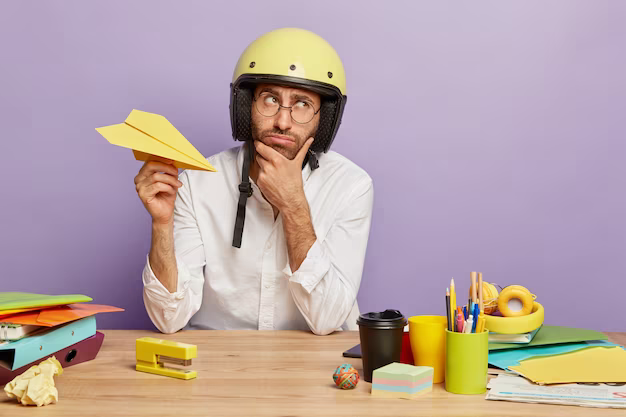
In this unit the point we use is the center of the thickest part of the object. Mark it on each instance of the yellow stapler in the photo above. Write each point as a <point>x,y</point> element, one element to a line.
<point>153,353</point>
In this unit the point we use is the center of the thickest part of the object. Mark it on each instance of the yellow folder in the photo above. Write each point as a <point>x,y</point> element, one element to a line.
<point>152,134</point>
<point>596,364</point>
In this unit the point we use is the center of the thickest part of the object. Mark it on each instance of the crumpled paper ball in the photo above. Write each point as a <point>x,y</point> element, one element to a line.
<point>36,385</point>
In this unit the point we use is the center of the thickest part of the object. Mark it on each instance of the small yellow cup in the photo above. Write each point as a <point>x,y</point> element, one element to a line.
<point>466,362</point>
<point>428,343</point>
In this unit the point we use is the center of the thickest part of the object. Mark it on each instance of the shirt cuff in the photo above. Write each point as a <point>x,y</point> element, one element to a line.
<point>159,295</point>
<point>312,270</point>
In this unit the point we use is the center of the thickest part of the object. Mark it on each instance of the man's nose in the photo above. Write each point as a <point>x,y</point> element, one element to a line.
<point>283,119</point>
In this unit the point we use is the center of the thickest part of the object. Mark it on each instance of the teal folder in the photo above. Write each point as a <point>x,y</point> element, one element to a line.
<point>14,355</point>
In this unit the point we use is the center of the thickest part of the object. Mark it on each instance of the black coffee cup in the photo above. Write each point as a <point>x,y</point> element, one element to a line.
<point>381,339</point>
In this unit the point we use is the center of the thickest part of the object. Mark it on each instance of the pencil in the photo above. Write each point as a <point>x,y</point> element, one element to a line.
<point>452,300</point>
<point>473,287</point>
<point>480,292</point>
<point>448,308</point>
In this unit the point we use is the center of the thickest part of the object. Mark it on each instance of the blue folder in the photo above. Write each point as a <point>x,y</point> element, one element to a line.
<point>16,354</point>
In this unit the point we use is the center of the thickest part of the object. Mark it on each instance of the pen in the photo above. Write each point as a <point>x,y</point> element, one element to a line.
<point>465,312</point>
<point>475,315</point>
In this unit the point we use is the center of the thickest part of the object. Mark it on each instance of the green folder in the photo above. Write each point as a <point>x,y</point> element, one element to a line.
<point>15,300</point>
<point>552,335</point>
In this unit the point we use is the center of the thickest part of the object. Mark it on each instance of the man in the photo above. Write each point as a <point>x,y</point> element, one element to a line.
<point>298,262</point>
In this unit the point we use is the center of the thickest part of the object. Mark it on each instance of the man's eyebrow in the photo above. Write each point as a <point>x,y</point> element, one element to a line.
<point>269,90</point>
<point>302,97</point>
<point>294,96</point>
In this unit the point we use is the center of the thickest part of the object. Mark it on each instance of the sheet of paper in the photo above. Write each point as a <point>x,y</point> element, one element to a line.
<point>150,134</point>
<point>595,364</point>
<point>515,388</point>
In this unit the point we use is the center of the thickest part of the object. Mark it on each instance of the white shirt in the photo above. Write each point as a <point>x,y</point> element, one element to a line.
<point>253,287</point>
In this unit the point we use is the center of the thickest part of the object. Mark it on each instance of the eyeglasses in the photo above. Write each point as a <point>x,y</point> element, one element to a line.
<point>268,105</point>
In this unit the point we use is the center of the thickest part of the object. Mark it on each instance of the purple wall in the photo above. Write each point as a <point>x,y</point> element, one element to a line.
<point>491,130</point>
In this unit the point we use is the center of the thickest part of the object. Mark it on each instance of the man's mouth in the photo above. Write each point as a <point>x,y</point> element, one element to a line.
<point>280,140</point>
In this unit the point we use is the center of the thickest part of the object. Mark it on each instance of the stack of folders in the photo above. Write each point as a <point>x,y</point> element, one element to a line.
<point>34,327</point>
<point>557,355</point>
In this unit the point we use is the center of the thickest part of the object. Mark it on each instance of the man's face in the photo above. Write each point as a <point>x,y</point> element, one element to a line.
<point>280,131</point>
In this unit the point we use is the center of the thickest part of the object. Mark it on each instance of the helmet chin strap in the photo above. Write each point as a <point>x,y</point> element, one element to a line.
<point>245,188</point>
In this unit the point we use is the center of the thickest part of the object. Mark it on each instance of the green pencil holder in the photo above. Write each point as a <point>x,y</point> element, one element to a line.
<point>466,362</point>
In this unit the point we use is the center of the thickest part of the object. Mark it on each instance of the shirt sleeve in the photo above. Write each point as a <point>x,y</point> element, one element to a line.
<point>170,312</point>
<point>326,284</point>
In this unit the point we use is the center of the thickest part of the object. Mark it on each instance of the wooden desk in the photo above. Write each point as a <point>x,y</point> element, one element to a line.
<point>250,373</point>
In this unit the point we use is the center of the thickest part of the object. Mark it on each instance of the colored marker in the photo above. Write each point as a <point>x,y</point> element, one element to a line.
<point>459,323</point>
<point>469,325</point>
<point>480,327</point>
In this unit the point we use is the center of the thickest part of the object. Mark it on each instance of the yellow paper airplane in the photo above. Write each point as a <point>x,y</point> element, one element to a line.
<point>150,134</point>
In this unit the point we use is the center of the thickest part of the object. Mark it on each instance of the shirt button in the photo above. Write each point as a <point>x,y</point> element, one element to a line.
<point>267,286</point>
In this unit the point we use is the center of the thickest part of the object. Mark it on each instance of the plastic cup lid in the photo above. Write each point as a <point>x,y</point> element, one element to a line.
<point>388,319</point>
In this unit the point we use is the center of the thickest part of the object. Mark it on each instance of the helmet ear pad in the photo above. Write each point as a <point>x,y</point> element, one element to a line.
<point>240,111</point>
<point>326,128</point>
<point>240,107</point>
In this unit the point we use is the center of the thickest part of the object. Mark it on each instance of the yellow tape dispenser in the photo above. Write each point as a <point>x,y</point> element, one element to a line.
<point>521,313</point>
<point>153,353</point>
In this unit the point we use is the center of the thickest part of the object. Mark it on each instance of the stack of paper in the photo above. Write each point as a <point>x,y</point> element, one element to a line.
<point>515,388</point>
<point>45,325</point>
<point>560,355</point>
<point>399,380</point>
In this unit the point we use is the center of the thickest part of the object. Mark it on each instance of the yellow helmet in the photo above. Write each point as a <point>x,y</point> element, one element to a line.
<point>295,58</point>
